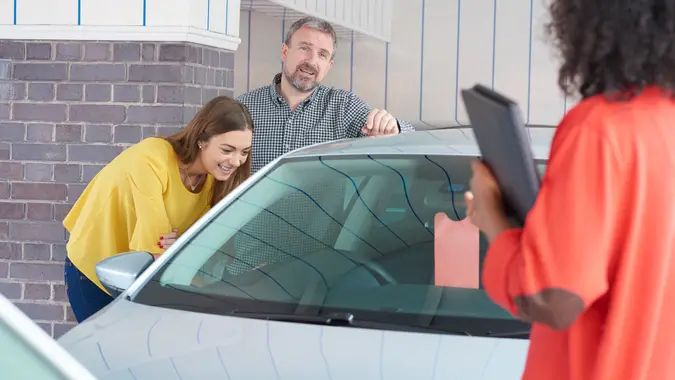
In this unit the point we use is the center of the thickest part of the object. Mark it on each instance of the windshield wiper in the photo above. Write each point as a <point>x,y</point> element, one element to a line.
<point>342,319</point>
<point>333,319</point>
<point>515,334</point>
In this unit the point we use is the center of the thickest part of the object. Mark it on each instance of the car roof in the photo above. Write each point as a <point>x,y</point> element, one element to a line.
<point>451,141</point>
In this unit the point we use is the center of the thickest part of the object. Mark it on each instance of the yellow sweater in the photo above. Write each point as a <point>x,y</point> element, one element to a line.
<point>131,202</point>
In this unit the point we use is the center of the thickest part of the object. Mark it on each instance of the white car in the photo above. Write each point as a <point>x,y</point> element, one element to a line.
<point>320,266</point>
<point>28,353</point>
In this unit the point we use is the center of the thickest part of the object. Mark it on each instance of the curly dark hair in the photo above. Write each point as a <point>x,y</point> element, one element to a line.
<point>614,46</point>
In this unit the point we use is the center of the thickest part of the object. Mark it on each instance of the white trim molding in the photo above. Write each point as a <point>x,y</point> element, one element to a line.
<point>119,33</point>
<point>351,19</point>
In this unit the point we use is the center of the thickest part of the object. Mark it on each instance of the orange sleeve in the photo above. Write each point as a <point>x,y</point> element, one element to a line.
<point>571,233</point>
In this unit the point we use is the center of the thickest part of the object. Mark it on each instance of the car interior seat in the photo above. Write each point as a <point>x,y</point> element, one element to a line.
<point>300,222</point>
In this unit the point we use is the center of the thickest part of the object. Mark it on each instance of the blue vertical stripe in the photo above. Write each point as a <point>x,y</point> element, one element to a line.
<point>422,63</point>
<point>248,53</point>
<point>227,16</point>
<point>283,27</point>
<point>15,12</point>
<point>494,41</point>
<point>145,12</point>
<point>283,34</point>
<point>79,11</point>
<point>386,74</point>
<point>208,14</point>
<point>529,64</point>
<point>386,64</point>
<point>529,72</point>
<point>459,29</point>
<point>351,65</point>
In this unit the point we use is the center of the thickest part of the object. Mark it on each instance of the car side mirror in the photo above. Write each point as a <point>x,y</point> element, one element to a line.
<point>118,272</point>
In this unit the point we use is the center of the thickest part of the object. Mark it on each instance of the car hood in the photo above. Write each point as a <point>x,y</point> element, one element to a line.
<point>138,342</point>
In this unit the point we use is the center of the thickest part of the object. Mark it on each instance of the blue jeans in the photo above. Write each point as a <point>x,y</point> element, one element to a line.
<point>85,297</point>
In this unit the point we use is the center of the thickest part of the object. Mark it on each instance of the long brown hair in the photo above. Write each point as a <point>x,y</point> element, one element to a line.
<point>220,115</point>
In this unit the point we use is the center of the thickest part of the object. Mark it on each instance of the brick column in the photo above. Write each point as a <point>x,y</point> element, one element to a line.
<point>66,109</point>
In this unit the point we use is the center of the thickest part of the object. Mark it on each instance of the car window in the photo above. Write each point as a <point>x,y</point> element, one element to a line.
<point>19,361</point>
<point>352,234</point>
<point>27,352</point>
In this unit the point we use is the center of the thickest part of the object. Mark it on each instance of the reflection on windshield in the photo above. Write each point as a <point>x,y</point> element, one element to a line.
<point>331,234</point>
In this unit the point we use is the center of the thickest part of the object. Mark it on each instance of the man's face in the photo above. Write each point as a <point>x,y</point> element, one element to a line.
<point>307,59</point>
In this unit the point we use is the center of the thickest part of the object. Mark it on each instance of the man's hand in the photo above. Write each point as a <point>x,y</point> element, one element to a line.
<point>380,123</point>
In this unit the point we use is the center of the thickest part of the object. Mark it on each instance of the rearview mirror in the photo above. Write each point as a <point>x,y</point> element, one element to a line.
<point>118,272</point>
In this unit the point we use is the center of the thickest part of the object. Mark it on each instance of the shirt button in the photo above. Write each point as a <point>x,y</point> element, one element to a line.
<point>287,147</point>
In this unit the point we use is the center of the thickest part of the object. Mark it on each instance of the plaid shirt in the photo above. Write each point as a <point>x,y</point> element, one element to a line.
<point>328,114</point>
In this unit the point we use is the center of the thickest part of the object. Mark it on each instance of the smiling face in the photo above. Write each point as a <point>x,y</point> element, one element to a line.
<point>222,154</point>
<point>307,58</point>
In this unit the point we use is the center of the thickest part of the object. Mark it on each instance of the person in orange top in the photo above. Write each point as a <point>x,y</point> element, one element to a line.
<point>150,193</point>
<point>593,269</point>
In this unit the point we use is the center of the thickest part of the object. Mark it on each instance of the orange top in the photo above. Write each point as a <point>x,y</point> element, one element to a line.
<point>596,258</point>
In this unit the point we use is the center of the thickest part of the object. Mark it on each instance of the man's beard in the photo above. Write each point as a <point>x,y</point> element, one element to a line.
<point>297,83</point>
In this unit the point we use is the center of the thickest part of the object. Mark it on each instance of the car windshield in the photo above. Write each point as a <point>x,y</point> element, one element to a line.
<point>319,236</point>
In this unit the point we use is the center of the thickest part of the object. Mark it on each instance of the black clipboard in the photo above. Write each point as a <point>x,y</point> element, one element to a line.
<point>505,148</point>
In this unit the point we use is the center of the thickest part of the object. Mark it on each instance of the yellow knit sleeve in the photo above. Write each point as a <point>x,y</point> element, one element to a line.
<point>148,183</point>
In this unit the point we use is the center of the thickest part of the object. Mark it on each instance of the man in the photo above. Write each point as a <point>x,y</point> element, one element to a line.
<point>297,111</point>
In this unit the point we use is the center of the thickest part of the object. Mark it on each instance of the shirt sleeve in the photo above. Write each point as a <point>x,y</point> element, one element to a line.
<point>570,235</point>
<point>356,115</point>
<point>241,98</point>
<point>147,189</point>
<point>404,126</point>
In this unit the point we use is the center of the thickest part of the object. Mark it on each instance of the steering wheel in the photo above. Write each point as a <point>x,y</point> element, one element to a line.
<point>381,275</point>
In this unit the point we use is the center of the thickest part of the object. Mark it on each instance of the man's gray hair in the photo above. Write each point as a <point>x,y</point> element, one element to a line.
<point>312,23</point>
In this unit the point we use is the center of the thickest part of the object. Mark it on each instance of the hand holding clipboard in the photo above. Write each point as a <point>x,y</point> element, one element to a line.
<point>505,148</point>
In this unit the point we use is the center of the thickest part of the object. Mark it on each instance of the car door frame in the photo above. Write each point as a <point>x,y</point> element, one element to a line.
<point>42,345</point>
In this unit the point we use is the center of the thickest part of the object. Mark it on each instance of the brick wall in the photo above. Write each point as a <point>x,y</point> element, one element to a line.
<point>66,109</point>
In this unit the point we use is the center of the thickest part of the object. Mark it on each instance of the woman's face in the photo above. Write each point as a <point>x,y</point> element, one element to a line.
<point>224,153</point>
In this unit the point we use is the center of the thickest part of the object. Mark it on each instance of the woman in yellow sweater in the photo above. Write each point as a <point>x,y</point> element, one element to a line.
<point>155,189</point>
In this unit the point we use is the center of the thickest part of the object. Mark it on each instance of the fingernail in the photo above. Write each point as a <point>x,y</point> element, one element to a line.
<point>159,244</point>
<point>161,238</point>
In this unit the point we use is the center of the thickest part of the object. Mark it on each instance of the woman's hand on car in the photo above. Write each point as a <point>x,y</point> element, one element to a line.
<point>166,240</point>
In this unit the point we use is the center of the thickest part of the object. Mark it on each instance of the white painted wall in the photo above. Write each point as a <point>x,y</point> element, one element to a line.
<point>437,48</point>
<point>363,17</point>
<point>209,22</point>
